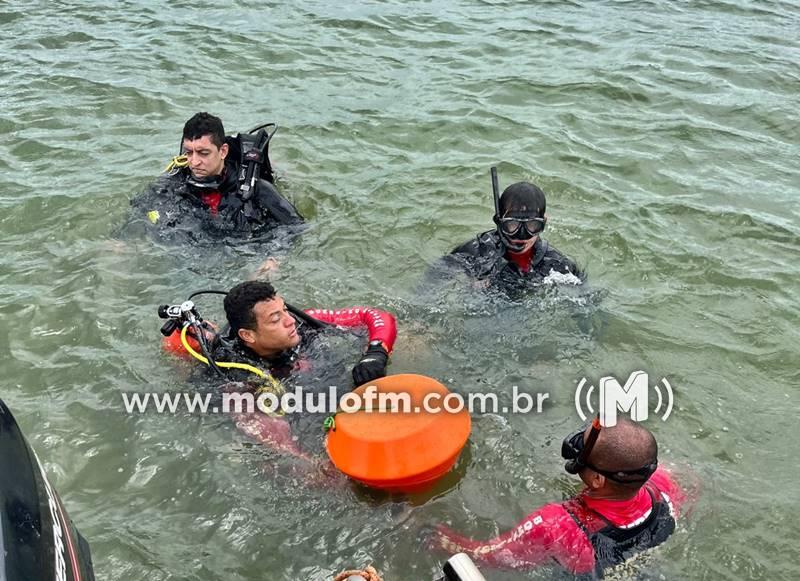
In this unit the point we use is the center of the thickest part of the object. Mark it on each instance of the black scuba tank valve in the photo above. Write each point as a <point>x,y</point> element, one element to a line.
<point>169,311</point>
<point>170,327</point>
<point>181,311</point>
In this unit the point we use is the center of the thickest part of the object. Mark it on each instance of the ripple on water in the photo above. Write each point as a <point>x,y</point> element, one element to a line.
<point>663,134</point>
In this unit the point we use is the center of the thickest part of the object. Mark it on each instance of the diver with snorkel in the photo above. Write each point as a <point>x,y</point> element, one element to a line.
<point>514,251</point>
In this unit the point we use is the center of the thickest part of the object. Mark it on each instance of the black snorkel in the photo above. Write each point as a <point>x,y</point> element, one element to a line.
<point>507,242</point>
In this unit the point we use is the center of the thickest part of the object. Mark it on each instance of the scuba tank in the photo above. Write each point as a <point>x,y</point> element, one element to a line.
<point>37,538</point>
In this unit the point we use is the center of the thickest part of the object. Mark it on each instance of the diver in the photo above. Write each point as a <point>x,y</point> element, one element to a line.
<point>628,504</point>
<point>514,250</point>
<point>268,341</point>
<point>263,331</point>
<point>217,185</point>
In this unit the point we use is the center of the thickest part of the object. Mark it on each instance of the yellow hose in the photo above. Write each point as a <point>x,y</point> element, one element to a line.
<point>226,364</point>
<point>176,163</point>
<point>272,384</point>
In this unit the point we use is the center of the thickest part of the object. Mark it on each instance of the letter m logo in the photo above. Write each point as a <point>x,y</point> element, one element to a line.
<point>632,398</point>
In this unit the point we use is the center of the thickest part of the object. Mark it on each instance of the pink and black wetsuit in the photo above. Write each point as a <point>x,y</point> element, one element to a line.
<point>381,326</point>
<point>273,431</point>
<point>583,535</point>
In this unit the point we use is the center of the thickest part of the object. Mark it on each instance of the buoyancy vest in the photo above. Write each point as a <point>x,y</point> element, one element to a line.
<point>613,544</point>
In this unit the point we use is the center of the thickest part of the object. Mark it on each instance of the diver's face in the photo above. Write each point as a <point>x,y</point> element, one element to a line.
<point>522,228</point>
<point>276,329</point>
<point>205,159</point>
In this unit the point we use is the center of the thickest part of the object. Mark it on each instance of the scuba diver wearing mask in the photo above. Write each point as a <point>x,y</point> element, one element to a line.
<point>514,249</point>
<point>218,184</point>
<point>628,504</point>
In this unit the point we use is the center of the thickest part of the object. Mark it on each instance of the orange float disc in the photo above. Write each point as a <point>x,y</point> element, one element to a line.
<point>400,451</point>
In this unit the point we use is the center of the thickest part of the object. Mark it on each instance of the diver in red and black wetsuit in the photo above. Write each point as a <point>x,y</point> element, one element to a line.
<point>515,253</point>
<point>628,505</point>
<point>266,333</point>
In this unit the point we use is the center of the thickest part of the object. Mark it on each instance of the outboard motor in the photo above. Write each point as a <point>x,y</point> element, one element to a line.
<point>37,538</point>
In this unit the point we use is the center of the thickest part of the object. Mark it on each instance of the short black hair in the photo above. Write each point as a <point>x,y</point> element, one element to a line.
<point>626,446</point>
<point>523,198</point>
<point>205,124</point>
<point>241,299</point>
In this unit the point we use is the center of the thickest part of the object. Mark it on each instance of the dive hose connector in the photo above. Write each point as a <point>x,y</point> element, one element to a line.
<point>177,315</point>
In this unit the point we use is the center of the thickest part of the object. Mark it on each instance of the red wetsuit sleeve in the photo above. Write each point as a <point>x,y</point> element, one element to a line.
<point>380,324</point>
<point>666,484</point>
<point>547,535</point>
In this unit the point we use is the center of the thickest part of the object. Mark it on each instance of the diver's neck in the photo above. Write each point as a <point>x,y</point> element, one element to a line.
<point>609,494</point>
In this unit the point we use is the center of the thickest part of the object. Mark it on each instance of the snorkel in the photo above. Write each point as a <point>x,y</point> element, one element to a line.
<point>507,242</point>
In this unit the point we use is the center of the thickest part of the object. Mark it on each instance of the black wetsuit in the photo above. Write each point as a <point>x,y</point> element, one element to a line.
<point>484,257</point>
<point>173,208</point>
<point>227,348</point>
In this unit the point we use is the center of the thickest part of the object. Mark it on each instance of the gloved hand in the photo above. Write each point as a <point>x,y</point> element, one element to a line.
<point>371,366</point>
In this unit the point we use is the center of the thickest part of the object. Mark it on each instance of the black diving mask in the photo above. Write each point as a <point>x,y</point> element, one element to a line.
<point>522,228</point>
<point>576,452</point>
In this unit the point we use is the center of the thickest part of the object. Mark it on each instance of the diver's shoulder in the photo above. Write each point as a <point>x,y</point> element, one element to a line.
<point>478,245</point>
<point>555,259</point>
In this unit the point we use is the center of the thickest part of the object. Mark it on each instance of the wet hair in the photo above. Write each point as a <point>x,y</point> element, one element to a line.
<point>625,446</point>
<point>241,299</point>
<point>523,198</point>
<point>205,124</point>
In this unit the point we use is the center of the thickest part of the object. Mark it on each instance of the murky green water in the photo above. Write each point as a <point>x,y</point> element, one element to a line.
<point>666,136</point>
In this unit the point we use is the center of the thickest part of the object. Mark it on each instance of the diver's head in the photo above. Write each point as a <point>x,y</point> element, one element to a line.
<point>258,316</point>
<point>613,462</point>
<point>204,146</point>
<point>522,216</point>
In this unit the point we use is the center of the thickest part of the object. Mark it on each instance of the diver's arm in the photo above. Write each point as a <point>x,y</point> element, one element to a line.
<point>546,535</point>
<point>380,325</point>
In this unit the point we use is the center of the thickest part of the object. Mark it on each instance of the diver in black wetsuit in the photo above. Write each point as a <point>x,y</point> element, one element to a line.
<point>218,185</point>
<point>514,251</point>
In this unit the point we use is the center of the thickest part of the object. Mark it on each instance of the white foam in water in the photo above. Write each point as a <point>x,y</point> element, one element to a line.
<point>559,278</point>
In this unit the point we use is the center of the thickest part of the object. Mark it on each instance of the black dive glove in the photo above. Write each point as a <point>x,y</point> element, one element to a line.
<point>372,365</point>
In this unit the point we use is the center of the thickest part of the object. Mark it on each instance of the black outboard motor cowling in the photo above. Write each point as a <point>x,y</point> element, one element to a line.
<point>37,539</point>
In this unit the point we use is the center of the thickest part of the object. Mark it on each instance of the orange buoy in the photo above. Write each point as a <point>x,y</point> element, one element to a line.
<point>402,450</point>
